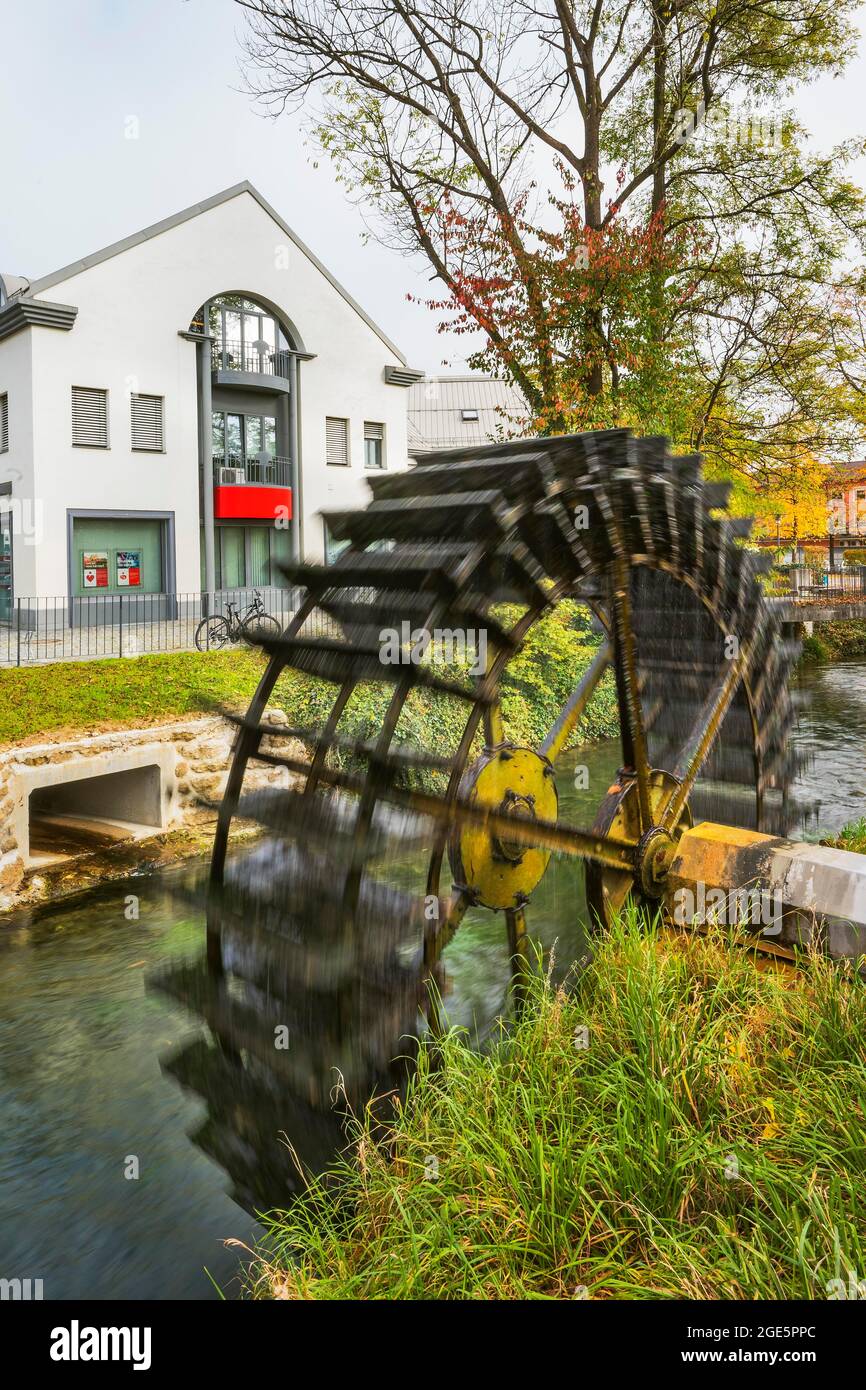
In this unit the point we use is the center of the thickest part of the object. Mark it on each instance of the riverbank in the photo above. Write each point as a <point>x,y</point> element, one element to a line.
<point>536,685</point>
<point>98,696</point>
<point>836,642</point>
<point>681,1126</point>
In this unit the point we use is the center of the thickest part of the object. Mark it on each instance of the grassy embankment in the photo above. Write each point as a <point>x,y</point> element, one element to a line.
<point>78,696</point>
<point>836,642</point>
<point>81,695</point>
<point>709,1141</point>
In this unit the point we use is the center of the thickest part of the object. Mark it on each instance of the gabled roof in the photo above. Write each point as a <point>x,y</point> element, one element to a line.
<point>57,276</point>
<point>439,407</point>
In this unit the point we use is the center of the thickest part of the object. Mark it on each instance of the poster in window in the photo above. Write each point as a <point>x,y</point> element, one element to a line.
<point>128,569</point>
<point>94,569</point>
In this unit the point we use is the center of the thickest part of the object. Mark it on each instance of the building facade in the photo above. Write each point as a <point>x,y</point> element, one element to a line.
<point>846,508</point>
<point>176,410</point>
<point>847,505</point>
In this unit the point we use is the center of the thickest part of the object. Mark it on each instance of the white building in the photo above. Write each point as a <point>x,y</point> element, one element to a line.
<point>176,409</point>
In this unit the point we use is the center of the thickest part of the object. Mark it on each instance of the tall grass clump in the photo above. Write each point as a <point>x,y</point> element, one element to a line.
<point>680,1124</point>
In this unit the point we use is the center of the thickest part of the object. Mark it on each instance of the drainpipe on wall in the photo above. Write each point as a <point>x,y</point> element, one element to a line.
<point>205,452</point>
<point>294,455</point>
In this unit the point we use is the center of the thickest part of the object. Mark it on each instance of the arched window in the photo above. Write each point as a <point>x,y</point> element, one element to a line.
<point>247,336</point>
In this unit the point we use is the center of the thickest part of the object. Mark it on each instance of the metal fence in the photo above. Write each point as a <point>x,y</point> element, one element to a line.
<point>817,583</point>
<point>115,625</point>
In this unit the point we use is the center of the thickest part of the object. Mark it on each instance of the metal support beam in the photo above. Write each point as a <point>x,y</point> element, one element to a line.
<point>205,454</point>
<point>295,456</point>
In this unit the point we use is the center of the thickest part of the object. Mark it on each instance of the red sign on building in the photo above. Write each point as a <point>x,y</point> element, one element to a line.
<point>250,503</point>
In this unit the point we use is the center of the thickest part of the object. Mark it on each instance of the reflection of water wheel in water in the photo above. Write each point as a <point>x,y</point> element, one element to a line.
<point>306,934</point>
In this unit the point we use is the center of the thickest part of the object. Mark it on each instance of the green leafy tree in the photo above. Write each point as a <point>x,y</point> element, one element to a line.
<point>610,193</point>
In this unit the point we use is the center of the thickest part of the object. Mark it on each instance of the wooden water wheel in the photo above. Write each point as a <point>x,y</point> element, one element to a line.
<point>312,931</point>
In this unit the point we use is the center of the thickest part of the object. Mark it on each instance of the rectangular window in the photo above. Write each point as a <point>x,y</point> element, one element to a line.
<point>253,448</point>
<point>6,590</point>
<point>234,441</point>
<point>374,445</point>
<point>218,435</point>
<point>233,567</point>
<point>247,556</point>
<point>147,422</point>
<point>269,424</point>
<point>4,423</point>
<point>90,417</point>
<point>259,568</point>
<point>337,442</point>
<point>246,444</point>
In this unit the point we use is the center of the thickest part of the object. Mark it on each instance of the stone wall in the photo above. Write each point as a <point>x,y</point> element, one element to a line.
<point>193,756</point>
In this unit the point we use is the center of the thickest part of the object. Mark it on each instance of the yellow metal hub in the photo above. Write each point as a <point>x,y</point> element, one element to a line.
<point>515,781</point>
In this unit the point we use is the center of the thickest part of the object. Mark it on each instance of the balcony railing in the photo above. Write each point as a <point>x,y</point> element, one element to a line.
<point>264,470</point>
<point>231,356</point>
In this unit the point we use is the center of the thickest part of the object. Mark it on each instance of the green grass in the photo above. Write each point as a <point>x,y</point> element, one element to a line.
<point>851,837</point>
<point>710,1142</point>
<point>139,690</point>
<point>814,649</point>
<point>136,690</point>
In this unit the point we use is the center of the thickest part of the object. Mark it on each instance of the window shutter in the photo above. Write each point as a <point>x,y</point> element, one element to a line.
<point>372,431</point>
<point>90,417</point>
<point>337,444</point>
<point>146,415</point>
<point>4,424</point>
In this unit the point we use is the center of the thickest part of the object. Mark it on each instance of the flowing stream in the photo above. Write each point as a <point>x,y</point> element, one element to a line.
<point>83,1104</point>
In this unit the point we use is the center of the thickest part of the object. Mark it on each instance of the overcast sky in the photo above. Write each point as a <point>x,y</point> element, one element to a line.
<point>75,71</point>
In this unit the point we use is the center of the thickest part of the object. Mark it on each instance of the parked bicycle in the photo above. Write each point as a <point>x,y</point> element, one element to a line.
<point>250,625</point>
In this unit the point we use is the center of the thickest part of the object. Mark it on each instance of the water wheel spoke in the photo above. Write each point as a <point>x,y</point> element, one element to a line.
<point>576,704</point>
<point>552,835</point>
<point>518,948</point>
<point>494,732</point>
<point>701,737</point>
<point>632,730</point>
<point>440,930</point>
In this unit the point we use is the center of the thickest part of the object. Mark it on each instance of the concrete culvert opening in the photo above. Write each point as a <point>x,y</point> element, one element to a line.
<point>89,813</point>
